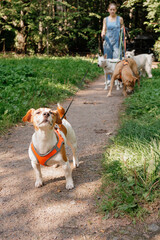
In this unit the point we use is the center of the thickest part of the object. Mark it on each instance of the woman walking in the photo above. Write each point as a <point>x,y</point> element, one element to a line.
<point>111,33</point>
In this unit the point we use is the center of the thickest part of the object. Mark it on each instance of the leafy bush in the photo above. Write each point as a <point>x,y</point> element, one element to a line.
<point>157,49</point>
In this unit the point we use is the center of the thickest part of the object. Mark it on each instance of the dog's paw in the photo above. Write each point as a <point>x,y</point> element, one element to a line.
<point>69,185</point>
<point>75,163</point>
<point>105,88</point>
<point>38,183</point>
<point>125,94</point>
<point>109,95</point>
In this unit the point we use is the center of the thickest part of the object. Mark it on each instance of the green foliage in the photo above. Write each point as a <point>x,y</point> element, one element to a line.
<point>157,49</point>
<point>135,32</point>
<point>51,26</point>
<point>62,27</point>
<point>153,16</point>
<point>132,163</point>
<point>34,82</point>
<point>151,7</point>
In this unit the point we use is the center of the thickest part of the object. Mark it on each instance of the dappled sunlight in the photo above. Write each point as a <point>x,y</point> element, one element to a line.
<point>52,199</point>
<point>57,209</point>
<point>132,162</point>
<point>51,209</point>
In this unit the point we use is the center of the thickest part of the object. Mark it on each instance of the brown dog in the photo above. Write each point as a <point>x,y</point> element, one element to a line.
<point>124,71</point>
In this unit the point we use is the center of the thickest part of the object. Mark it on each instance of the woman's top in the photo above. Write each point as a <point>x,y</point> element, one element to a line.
<point>113,31</point>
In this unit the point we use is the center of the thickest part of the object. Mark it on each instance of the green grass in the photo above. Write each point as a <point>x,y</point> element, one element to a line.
<point>131,179</point>
<point>35,82</point>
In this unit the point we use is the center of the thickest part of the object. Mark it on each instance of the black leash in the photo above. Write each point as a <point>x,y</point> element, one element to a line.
<point>67,109</point>
<point>79,86</point>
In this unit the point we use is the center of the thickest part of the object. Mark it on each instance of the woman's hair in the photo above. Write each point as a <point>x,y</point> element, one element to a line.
<point>112,3</point>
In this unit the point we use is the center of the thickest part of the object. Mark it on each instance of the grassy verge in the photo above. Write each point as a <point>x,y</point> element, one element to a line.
<point>131,179</point>
<point>34,82</point>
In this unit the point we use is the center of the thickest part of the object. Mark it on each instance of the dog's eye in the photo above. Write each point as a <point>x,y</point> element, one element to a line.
<point>38,112</point>
<point>52,113</point>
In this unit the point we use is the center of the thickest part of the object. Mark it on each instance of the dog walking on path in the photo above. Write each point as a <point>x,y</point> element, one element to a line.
<point>108,66</point>
<point>144,62</point>
<point>48,142</point>
<point>124,71</point>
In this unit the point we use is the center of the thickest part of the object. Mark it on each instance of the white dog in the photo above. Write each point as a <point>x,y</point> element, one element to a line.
<point>144,62</point>
<point>108,66</point>
<point>48,142</point>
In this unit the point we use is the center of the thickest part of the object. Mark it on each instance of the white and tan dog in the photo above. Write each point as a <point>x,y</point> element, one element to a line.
<point>108,66</point>
<point>48,143</point>
<point>144,62</point>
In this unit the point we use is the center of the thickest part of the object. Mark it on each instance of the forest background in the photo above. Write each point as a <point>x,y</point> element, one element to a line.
<point>72,26</point>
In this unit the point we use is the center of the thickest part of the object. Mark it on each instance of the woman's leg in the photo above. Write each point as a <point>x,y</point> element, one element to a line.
<point>107,49</point>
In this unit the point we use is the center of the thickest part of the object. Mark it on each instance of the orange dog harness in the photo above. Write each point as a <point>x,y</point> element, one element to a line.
<point>43,158</point>
<point>125,62</point>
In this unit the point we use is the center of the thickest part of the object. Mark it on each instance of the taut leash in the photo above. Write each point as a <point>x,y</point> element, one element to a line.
<point>67,108</point>
<point>122,44</point>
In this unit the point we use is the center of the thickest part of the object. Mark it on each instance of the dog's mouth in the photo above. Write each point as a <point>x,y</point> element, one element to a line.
<point>46,121</point>
<point>130,91</point>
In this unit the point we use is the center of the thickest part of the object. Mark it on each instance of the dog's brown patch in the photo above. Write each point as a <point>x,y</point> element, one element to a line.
<point>63,151</point>
<point>63,129</point>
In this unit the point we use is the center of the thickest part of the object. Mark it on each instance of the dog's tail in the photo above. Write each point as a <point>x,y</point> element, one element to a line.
<point>60,110</point>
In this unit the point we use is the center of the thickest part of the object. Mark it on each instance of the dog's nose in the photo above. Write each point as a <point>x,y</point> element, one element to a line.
<point>46,114</point>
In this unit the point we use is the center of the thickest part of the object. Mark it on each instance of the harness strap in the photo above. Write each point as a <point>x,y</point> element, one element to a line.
<point>124,32</point>
<point>43,158</point>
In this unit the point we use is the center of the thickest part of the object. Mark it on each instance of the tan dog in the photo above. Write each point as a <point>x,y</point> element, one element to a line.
<point>48,142</point>
<point>124,71</point>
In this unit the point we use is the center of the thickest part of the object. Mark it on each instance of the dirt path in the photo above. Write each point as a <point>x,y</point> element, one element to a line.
<point>52,212</point>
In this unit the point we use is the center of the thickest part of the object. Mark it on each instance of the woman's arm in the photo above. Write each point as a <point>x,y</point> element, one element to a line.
<point>104,28</point>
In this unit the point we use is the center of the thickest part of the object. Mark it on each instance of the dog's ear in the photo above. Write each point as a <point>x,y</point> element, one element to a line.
<point>58,120</point>
<point>105,56</point>
<point>28,116</point>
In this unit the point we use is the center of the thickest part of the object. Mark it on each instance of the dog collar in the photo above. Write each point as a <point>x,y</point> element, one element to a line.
<point>43,158</point>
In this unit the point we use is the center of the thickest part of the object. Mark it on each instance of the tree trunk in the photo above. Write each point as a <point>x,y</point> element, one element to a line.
<point>40,37</point>
<point>40,31</point>
<point>4,46</point>
<point>47,43</point>
<point>21,39</point>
